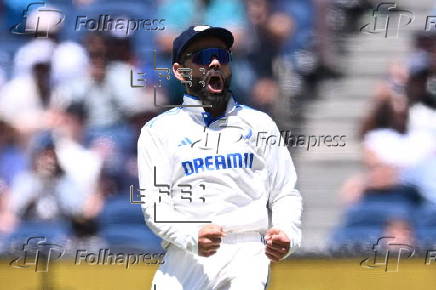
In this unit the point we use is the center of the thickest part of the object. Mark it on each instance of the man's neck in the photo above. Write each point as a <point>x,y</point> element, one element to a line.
<point>216,111</point>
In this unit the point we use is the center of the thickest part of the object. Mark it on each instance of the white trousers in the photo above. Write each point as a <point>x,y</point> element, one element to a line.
<point>240,263</point>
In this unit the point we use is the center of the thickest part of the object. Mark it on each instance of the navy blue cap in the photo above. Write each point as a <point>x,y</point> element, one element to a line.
<point>194,32</point>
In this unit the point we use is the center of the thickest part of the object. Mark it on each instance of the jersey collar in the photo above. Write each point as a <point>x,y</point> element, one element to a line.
<point>194,101</point>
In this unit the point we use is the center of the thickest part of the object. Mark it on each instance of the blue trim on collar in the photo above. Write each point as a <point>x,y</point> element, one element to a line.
<point>237,104</point>
<point>208,118</point>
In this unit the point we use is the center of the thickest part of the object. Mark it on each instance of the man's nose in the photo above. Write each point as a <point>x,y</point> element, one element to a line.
<point>215,63</point>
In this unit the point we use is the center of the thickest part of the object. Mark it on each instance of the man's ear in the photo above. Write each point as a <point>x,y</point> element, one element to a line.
<point>178,74</point>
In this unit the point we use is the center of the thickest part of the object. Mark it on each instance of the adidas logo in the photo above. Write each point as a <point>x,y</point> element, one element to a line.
<point>185,141</point>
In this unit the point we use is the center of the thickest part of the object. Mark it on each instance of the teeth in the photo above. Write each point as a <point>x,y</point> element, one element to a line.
<point>214,90</point>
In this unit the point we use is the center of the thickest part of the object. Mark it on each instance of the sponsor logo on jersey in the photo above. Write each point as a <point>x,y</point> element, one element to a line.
<point>218,162</point>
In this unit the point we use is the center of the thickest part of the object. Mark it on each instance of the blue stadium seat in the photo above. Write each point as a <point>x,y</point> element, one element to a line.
<point>131,237</point>
<point>426,216</point>
<point>54,232</point>
<point>365,221</point>
<point>426,226</point>
<point>119,211</point>
<point>354,238</point>
<point>376,213</point>
<point>138,9</point>
<point>123,227</point>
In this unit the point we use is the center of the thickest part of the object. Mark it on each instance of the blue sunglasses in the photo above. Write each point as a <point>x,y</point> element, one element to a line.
<point>205,56</point>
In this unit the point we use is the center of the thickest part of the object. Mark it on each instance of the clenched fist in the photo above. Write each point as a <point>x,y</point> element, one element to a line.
<point>209,240</point>
<point>277,244</point>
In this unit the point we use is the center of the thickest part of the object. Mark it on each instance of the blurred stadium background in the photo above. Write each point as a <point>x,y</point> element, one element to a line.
<point>69,121</point>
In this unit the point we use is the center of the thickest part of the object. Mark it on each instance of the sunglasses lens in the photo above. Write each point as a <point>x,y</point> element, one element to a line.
<point>205,56</point>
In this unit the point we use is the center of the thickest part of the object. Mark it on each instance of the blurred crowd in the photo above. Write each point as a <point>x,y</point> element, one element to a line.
<point>72,100</point>
<point>395,195</point>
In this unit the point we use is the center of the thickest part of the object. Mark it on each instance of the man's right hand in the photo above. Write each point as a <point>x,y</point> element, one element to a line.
<point>209,240</point>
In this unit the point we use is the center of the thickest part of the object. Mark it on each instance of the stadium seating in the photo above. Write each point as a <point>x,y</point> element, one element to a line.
<point>123,226</point>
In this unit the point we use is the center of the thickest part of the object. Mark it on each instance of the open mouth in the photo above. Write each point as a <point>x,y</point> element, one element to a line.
<point>215,85</point>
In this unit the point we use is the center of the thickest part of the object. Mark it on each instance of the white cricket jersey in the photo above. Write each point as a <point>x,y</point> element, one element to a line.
<point>216,169</point>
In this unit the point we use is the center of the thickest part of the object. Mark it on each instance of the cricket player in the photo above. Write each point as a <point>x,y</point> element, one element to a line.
<point>224,204</point>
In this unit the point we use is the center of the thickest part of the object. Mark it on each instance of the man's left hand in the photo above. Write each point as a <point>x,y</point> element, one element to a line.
<point>277,244</point>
